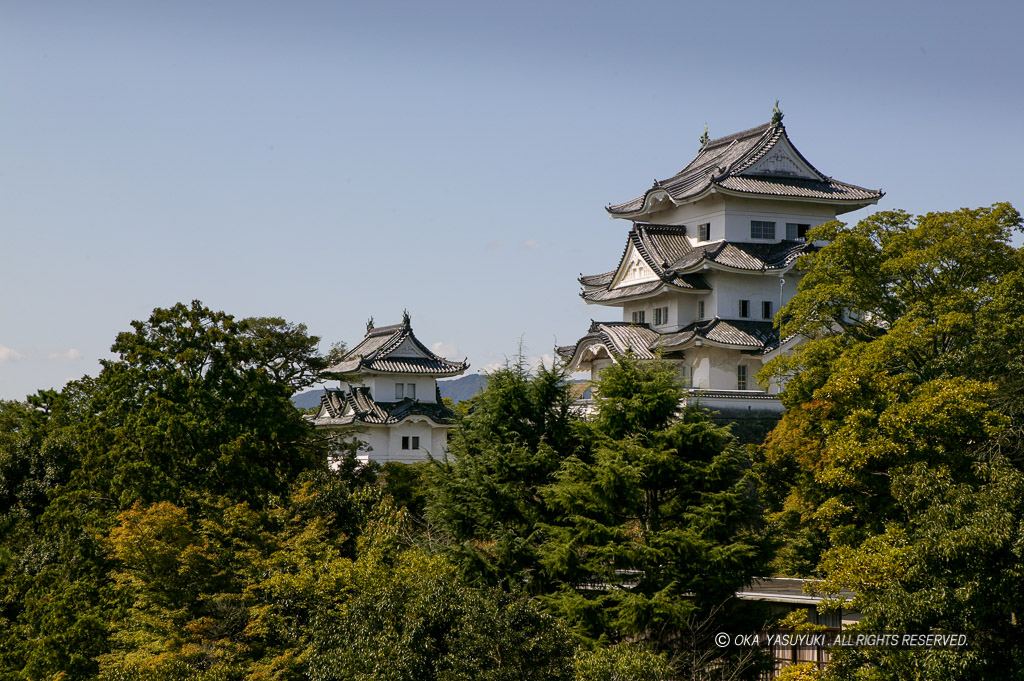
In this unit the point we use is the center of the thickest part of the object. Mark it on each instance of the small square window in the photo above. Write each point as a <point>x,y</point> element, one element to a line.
<point>759,229</point>
<point>405,442</point>
<point>744,309</point>
<point>700,309</point>
<point>704,232</point>
<point>766,309</point>
<point>660,316</point>
<point>741,377</point>
<point>639,317</point>
<point>399,391</point>
<point>415,442</point>
<point>796,232</point>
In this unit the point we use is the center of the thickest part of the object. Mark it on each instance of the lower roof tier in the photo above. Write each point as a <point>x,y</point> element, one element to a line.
<point>643,342</point>
<point>357,407</point>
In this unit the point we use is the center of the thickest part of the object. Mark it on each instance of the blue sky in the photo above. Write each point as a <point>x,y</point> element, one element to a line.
<point>328,161</point>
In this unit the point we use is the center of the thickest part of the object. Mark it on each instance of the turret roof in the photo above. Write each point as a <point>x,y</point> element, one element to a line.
<point>393,349</point>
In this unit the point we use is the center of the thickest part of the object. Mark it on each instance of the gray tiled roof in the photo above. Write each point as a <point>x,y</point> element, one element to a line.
<point>659,246</point>
<point>721,162</point>
<point>689,281</point>
<point>744,256</point>
<point>376,354</point>
<point>743,334</point>
<point>342,408</point>
<point>619,337</point>
<point>645,343</point>
<point>671,257</point>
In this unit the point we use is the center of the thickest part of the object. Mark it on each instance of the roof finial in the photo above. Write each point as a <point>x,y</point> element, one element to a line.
<point>706,137</point>
<point>369,324</point>
<point>777,114</point>
<point>405,317</point>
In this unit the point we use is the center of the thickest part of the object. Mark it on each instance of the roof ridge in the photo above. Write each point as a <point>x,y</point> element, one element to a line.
<point>749,132</point>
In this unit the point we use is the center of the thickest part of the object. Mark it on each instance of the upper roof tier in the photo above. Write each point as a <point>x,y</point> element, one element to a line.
<point>393,349</point>
<point>759,163</point>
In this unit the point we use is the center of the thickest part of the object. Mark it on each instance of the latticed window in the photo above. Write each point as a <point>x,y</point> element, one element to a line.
<point>660,316</point>
<point>639,317</point>
<point>704,232</point>
<point>759,229</point>
<point>744,309</point>
<point>766,309</point>
<point>741,377</point>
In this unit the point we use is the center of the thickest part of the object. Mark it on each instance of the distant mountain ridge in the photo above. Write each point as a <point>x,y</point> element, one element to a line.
<point>458,389</point>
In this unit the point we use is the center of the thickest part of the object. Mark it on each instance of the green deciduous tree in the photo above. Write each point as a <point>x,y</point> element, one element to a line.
<point>897,464</point>
<point>410,617</point>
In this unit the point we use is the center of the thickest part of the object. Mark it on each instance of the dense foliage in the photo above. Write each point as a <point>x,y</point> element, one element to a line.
<point>174,517</point>
<point>896,470</point>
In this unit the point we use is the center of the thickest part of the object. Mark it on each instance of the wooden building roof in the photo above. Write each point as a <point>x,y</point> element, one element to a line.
<point>759,162</point>
<point>393,349</point>
<point>676,264</point>
<point>643,342</point>
<point>357,407</point>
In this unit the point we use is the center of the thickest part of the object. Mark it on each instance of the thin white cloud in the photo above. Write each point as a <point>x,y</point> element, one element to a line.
<point>9,355</point>
<point>533,361</point>
<point>73,353</point>
<point>547,359</point>
<point>445,349</point>
<point>531,244</point>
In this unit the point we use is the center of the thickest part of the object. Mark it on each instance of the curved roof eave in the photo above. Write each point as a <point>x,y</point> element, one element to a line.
<point>650,196</point>
<point>574,362</point>
<point>366,371</point>
<point>709,264</point>
<point>616,302</point>
<point>693,342</point>
<point>847,204</point>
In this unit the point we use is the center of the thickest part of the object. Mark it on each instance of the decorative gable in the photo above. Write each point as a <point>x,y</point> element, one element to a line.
<point>407,348</point>
<point>783,160</point>
<point>633,270</point>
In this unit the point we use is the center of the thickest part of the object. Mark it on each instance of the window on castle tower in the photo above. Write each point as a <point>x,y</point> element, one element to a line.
<point>766,309</point>
<point>410,391</point>
<point>639,317</point>
<point>700,309</point>
<point>795,232</point>
<point>744,309</point>
<point>660,316</point>
<point>399,391</point>
<point>759,229</point>
<point>410,442</point>
<point>704,232</point>
<point>741,377</point>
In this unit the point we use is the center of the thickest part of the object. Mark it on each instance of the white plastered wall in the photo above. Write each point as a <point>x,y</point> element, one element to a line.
<point>382,388</point>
